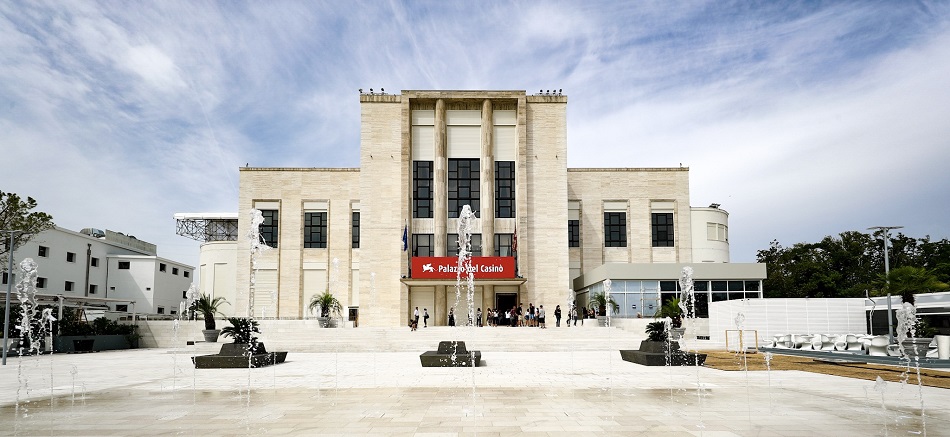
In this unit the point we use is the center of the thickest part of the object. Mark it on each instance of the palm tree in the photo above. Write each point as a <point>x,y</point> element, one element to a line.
<point>908,280</point>
<point>242,330</point>
<point>327,304</point>
<point>672,310</point>
<point>208,308</point>
<point>601,300</point>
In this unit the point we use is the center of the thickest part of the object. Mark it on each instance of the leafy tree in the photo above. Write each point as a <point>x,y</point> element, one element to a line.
<point>16,215</point>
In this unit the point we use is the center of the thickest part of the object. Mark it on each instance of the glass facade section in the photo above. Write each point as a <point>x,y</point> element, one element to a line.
<point>615,229</point>
<point>315,230</point>
<point>573,233</point>
<point>662,229</point>
<point>422,189</point>
<point>270,228</point>
<point>452,245</point>
<point>423,245</point>
<point>355,231</point>
<point>503,243</point>
<point>504,189</point>
<point>463,186</point>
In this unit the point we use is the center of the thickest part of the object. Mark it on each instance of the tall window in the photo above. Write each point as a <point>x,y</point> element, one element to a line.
<point>573,233</point>
<point>43,251</point>
<point>269,229</point>
<point>422,189</point>
<point>94,261</point>
<point>503,244</point>
<point>68,286</point>
<point>464,188</point>
<point>40,282</point>
<point>93,288</point>
<point>615,229</point>
<point>423,245</point>
<point>355,230</point>
<point>452,245</point>
<point>504,189</point>
<point>314,230</point>
<point>662,229</point>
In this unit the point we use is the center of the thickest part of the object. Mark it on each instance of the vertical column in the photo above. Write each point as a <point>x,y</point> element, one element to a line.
<point>440,198</point>
<point>440,312</point>
<point>487,181</point>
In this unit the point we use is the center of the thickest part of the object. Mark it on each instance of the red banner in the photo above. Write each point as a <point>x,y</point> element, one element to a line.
<point>446,267</point>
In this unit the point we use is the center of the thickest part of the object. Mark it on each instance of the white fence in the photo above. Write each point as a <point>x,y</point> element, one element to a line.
<point>786,316</point>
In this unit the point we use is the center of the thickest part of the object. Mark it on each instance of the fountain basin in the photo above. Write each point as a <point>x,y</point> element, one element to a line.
<point>443,356</point>
<point>236,356</point>
<point>661,353</point>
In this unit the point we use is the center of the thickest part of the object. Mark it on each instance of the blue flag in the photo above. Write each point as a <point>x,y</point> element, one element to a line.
<point>405,238</point>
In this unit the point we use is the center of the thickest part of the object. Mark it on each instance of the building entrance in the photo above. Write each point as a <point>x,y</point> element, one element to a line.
<point>506,301</point>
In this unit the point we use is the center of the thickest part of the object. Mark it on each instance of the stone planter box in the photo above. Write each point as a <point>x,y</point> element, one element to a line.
<point>661,353</point>
<point>90,343</point>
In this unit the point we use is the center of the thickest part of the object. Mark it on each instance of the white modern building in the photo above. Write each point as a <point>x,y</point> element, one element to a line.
<point>383,237</point>
<point>104,269</point>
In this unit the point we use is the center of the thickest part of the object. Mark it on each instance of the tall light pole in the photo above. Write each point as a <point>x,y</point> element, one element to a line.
<point>6,313</point>
<point>887,271</point>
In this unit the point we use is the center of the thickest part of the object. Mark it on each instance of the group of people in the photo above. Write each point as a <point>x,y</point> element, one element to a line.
<point>519,316</point>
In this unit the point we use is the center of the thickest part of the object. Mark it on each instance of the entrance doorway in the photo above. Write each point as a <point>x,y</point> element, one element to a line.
<point>506,301</point>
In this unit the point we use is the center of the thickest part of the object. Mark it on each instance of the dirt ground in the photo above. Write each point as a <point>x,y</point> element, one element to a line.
<point>731,361</point>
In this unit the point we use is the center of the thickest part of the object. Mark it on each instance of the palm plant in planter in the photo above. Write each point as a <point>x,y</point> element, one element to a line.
<point>242,330</point>
<point>328,304</point>
<point>208,308</point>
<point>656,331</point>
<point>602,300</point>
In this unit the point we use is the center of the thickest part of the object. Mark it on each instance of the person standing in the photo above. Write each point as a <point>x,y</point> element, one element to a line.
<point>478,318</point>
<point>557,316</point>
<point>541,317</point>
<point>425,317</point>
<point>452,316</point>
<point>415,319</point>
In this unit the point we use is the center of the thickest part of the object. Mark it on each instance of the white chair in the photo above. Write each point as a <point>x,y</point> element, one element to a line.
<point>801,341</point>
<point>783,341</point>
<point>877,347</point>
<point>822,342</point>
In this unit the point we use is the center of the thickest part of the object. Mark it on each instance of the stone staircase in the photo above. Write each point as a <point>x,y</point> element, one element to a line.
<point>308,336</point>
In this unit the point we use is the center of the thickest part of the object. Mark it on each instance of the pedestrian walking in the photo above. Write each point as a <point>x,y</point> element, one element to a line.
<point>557,316</point>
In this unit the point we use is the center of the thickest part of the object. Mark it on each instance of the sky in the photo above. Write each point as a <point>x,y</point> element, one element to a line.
<point>802,119</point>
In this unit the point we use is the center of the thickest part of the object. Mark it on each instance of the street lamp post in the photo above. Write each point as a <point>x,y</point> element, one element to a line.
<point>6,313</point>
<point>887,271</point>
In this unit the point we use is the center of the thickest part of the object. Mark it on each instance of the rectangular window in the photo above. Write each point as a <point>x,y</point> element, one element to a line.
<point>68,286</point>
<point>452,245</point>
<point>5,278</point>
<point>161,310</point>
<point>422,189</point>
<point>94,262</point>
<point>355,231</point>
<point>662,229</point>
<point>184,294</point>
<point>315,230</point>
<point>464,187</point>
<point>573,233</point>
<point>70,257</point>
<point>124,265</point>
<point>43,252</point>
<point>122,308</point>
<point>503,244</point>
<point>174,312</point>
<point>423,245</point>
<point>162,267</point>
<point>615,229</point>
<point>717,232</point>
<point>504,189</point>
<point>269,229</point>
<point>93,288</point>
<point>175,271</point>
<point>40,282</point>
<point>186,273</point>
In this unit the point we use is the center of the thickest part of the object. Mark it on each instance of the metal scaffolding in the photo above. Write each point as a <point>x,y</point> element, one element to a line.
<point>207,227</point>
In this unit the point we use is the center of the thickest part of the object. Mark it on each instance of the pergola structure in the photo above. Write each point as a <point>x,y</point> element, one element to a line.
<point>207,226</point>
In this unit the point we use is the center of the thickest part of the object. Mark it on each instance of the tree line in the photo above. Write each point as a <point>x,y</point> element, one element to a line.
<point>852,265</point>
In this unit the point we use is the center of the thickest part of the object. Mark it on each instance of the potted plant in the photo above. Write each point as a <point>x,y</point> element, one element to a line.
<point>242,330</point>
<point>602,300</point>
<point>209,307</point>
<point>672,310</point>
<point>328,305</point>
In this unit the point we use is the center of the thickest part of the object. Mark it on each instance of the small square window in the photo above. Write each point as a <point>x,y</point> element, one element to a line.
<point>70,257</point>
<point>43,252</point>
<point>174,312</point>
<point>161,267</point>
<point>161,310</point>
<point>124,265</point>
<point>94,262</point>
<point>174,270</point>
<point>68,286</point>
<point>122,308</point>
<point>186,273</point>
<point>93,288</point>
<point>40,282</point>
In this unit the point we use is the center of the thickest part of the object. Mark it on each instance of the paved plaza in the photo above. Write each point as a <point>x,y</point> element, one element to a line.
<point>158,392</point>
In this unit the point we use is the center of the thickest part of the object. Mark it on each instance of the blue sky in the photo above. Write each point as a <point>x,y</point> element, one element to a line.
<point>803,119</point>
